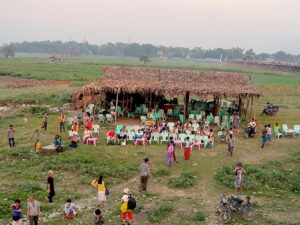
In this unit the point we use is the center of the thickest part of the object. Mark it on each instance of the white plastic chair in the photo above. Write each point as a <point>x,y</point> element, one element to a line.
<point>191,116</point>
<point>130,136</point>
<point>195,126</point>
<point>175,136</point>
<point>70,120</point>
<point>96,129</point>
<point>164,137</point>
<point>199,117</point>
<point>182,137</point>
<point>155,137</point>
<point>171,125</point>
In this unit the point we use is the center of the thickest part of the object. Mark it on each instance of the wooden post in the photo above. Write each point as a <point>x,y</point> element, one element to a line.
<point>117,106</point>
<point>186,104</point>
<point>240,106</point>
<point>246,111</point>
<point>251,109</point>
<point>217,105</point>
<point>123,102</point>
<point>154,103</point>
<point>150,104</point>
<point>254,108</point>
<point>127,102</point>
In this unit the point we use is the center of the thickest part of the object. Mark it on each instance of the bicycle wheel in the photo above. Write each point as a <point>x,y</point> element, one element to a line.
<point>249,214</point>
<point>225,217</point>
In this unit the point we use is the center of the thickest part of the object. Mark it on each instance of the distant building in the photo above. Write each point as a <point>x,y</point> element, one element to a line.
<point>248,59</point>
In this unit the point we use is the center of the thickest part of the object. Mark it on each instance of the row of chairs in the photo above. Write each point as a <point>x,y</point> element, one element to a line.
<point>165,137</point>
<point>286,131</point>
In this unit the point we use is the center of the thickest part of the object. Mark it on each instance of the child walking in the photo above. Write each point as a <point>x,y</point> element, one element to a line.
<point>170,154</point>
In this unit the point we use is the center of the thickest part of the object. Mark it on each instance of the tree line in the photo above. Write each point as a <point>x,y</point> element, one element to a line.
<point>76,49</point>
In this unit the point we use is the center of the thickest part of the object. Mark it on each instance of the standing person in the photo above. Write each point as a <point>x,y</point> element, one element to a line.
<point>33,211</point>
<point>239,178</point>
<point>61,120</point>
<point>264,136</point>
<point>126,213</point>
<point>17,212</point>
<point>45,121</point>
<point>235,120</point>
<point>50,186</point>
<point>231,144</point>
<point>144,175</point>
<point>170,154</point>
<point>168,144</point>
<point>269,133</point>
<point>101,188</point>
<point>37,146</point>
<point>11,136</point>
<point>187,149</point>
<point>98,219</point>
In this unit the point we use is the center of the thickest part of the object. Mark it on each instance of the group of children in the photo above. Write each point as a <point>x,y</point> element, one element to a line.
<point>33,212</point>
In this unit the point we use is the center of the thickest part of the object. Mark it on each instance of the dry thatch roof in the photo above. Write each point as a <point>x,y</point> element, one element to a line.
<point>171,82</point>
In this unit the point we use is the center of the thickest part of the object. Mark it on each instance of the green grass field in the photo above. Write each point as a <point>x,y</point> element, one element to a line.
<point>273,173</point>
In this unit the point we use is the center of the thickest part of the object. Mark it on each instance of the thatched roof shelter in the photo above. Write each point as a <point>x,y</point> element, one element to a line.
<point>132,80</point>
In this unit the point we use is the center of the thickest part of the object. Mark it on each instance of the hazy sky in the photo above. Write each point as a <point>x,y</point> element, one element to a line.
<point>264,25</point>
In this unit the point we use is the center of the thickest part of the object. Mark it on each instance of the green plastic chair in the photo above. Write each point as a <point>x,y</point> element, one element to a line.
<point>181,118</point>
<point>176,113</point>
<point>297,129</point>
<point>119,128</point>
<point>119,111</point>
<point>210,118</point>
<point>130,115</point>
<point>277,133</point>
<point>138,111</point>
<point>156,116</point>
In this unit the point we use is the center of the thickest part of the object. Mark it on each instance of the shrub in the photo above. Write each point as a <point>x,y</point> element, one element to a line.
<point>199,216</point>
<point>184,181</point>
<point>138,208</point>
<point>160,212</point>
<point>30,187</point>
<point>162,172</point>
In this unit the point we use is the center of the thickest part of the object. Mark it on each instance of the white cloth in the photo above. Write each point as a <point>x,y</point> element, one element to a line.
<point>125,198</point>
<point>101,197</point>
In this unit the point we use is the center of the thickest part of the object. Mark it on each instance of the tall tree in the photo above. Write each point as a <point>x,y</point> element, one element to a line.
<point>8,50</point>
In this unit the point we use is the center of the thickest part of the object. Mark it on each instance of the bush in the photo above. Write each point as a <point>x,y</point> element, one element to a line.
<point>199,216</point>
<point>160,212</point>
<point>184,181</point>
<point>162,172</point>
<point>138,208</point>
<point>30,187</point>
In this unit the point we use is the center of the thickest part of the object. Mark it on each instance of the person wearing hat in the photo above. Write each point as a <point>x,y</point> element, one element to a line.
<point>124,207</point>
<point>50,186</point>
<point>144,174</point>
<point>33,211</point>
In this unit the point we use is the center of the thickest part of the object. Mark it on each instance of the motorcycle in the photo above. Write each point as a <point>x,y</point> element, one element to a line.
<point>234,204</point>
<point>270,109</point>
